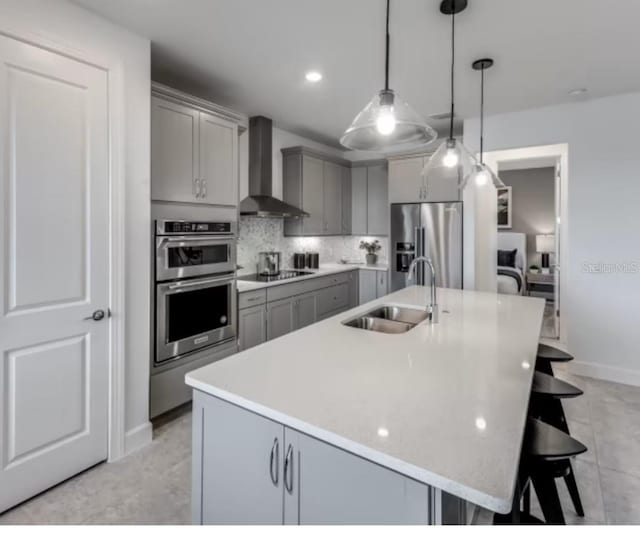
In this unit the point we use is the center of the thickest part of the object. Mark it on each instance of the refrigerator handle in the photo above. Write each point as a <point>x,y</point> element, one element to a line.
<point>418,233</point>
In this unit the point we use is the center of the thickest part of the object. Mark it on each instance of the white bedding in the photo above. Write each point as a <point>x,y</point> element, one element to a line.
<point>508,285</point>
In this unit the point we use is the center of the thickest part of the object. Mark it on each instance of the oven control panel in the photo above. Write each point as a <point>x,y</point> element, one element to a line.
<point>193,227</point>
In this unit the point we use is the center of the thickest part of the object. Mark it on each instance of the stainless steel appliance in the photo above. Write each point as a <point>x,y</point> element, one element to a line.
<point>433,230</point>
<point>269,263</point>
<point>195,287</point>
<point>283,275</point>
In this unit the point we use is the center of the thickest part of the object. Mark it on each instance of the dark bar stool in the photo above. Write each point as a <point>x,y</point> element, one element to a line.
<point>546,405</point>
<point>545,452</point>
<point>547,355</point>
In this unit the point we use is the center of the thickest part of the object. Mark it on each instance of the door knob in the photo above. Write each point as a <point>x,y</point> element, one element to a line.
<point>96,316</point>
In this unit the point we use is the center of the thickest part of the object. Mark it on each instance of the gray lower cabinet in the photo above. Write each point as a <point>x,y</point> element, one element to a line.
<point>280,318</point>
<point>248,469</point>
<point>306,309</point>
<point>252,323</point>
<point>237,465</point>
<point>354,288</point>
<point>373,285</point>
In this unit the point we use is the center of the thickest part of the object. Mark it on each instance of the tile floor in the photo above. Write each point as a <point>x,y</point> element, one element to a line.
<point>152,486</point>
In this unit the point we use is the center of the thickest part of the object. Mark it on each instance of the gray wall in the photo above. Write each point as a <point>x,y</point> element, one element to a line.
<point>533,206</point>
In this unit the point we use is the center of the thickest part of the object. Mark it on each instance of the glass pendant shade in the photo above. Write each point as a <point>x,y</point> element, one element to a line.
<point>482,175</point>
<point>452,162</point>
<point>387,124</point>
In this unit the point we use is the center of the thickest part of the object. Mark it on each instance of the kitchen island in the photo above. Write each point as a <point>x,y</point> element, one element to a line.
<point>334,424</point>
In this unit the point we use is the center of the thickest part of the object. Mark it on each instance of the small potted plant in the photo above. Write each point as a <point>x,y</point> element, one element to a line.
<point>372,248</point>
<point>534,269</point>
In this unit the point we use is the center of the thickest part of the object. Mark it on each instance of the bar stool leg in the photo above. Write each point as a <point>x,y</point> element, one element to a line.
<point>547,494</point>
<point>572,487</point>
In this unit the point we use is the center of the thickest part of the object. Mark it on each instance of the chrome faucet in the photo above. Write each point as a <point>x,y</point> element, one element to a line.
<point>433,307</point>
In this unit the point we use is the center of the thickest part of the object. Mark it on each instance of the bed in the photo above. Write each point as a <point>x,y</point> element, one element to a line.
<point>511,279</point>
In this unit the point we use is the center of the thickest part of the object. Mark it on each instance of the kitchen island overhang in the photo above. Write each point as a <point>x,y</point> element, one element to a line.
<point>443,404</point>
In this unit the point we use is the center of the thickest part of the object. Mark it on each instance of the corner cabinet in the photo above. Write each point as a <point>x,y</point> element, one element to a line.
<point>194,150</point>
<point>248,469</point>
<point>408,185</point>
<point>313,182</point>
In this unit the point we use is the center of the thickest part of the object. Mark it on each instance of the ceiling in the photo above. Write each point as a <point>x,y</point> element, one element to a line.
<point>251,55</point>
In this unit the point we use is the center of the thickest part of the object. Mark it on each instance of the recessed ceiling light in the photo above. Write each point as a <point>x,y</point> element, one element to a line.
<point>313,76</point>
<point>578,92</point>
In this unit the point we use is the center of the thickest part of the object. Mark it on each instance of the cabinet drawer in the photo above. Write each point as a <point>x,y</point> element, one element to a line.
<point>283,291</point>
<point>252,298</point>
<point>333,298</point>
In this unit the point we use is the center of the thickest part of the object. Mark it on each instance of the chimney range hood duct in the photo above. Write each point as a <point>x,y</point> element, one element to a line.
<point>260,202</point>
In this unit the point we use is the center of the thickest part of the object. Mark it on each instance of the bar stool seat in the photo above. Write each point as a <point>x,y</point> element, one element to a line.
<point>548,385</point>
<point>543,442</point>
<point>546,455</point>
<point>548,354</point>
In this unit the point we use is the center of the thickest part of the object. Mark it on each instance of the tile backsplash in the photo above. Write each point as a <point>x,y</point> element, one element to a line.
<point>257,234</point>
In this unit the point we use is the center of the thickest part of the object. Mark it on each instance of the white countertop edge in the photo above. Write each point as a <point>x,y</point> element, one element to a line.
<point>498,505</point>
<point>324,271</point>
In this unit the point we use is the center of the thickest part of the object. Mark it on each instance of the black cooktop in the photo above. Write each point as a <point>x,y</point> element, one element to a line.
<point>284,274</point>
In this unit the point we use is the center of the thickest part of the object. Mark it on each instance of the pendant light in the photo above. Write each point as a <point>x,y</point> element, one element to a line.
<point>387,123</point>
<point>452,161</point>
<point>482,174</point>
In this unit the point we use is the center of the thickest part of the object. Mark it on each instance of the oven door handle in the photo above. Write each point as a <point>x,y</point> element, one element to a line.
<point>212,239</point>
<point>201,282</point>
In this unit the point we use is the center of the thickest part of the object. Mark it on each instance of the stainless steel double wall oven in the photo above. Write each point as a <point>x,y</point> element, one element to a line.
<point>195,287</point>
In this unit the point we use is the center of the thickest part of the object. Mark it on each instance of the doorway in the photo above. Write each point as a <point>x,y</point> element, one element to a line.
<point>543,209</point>
<point>56,334</point>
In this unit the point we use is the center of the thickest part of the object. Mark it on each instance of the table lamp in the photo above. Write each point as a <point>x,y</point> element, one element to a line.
<point>545,244</point>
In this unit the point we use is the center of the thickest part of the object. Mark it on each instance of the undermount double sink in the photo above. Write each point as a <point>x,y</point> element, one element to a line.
<point>389,319</point>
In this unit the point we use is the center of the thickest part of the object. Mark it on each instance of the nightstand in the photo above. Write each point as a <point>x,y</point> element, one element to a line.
<point>541,285</point>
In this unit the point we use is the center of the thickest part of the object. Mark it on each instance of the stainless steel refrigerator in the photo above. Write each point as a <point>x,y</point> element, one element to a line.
<point>433,230</point>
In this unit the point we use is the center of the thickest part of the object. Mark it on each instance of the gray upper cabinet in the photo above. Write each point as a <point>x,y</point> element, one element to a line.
<point>377,201</point>
<point>346,201</point>
<point>174,151</point>
<point>194,153</point>
<point>369,199</point>
<point>332,198</point>
<point>314,182</point>
<point>359,201</point>
<point>407,183</point>
<point>218,160</point>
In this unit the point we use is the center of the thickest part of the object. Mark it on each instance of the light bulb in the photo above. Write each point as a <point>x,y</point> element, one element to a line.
<point>450,158</point>
<point>482,177</point>
<point>386,121</point>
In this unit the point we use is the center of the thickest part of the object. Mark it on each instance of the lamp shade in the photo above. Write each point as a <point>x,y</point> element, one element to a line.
<point>387,124</point>
<point>481,175</point>
<point>545,243</point>
<point>452,162</point>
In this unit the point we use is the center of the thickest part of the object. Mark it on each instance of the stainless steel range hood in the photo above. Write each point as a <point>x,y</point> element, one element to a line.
<point>260,202</point>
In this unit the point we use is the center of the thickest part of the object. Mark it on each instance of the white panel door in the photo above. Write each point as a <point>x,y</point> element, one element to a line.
<point>54,201</point>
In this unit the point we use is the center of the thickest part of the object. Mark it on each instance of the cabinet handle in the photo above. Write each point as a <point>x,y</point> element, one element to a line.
<point>288,470</point>
<point>197,183</point>
<point>274,456</point>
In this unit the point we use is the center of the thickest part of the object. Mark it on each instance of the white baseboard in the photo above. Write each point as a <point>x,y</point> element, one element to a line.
<point>605,373</point>
<point>138,437</point>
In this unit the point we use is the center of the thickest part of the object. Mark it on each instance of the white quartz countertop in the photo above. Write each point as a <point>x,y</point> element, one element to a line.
<point>445,404</point>
<point>325,269</point>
